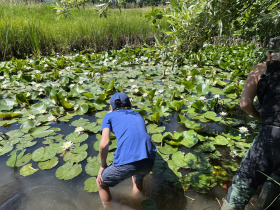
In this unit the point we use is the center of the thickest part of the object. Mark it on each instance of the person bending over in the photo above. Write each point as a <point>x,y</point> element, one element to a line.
<point>263,157</point>
<point>135,153</point>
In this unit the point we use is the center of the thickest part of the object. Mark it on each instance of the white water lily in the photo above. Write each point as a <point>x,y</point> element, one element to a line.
<point>80,82</point>
<point>145,95</point>
<point>189,78</point>
<point>243,129</point>
<point>97,74</point>
<point>22,105</point>
<point>37,71</point>
<point>217,96</point>
<point>253,125</point>
<point>76,107</point>
<point>2,77</point>
<point>194,66</point>
<point>156,93</point>
<point>202,98</point>
<point>53,101</point>
<point>43,111</point>
<point>72,85</point>
<point>68,68</point>
<point>28,94</point>
<point>41,90</point>
<point>51,118</point>
<point>68,145</point>
<point>83,65</point>
<point>79,130</point>
<point>46,66</point>
<point>223,114</point>
<point>136,90</point>
<point>131,80</point>
<point>86,73</point>
<point>214,83</point>
<point>160,90</point>
<point>37,85</point>
<point>233,154</point>
<point>134,86</point>
<point>31,117</point>
<point>4,86</point>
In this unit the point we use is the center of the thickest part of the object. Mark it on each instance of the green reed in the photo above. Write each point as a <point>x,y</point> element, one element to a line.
<point>33,29</point>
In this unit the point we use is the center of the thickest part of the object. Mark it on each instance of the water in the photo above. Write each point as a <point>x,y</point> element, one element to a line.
<point>43,190</point>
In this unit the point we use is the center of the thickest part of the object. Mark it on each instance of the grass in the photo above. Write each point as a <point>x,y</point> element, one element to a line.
<point>33,29</point>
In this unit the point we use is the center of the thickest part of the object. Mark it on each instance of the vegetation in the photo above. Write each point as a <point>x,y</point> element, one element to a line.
<point>33,29</point>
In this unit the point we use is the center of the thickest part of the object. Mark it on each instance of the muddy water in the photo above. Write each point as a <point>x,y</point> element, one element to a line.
<point>43,190</point>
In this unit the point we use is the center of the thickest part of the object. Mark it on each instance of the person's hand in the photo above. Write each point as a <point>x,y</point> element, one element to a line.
<point>99,179</point>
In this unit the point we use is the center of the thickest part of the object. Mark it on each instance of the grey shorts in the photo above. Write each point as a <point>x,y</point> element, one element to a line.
<point>113,175</point>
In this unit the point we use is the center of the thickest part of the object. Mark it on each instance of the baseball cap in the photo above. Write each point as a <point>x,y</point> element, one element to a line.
<point>124,99</point>
<point>274,44</point>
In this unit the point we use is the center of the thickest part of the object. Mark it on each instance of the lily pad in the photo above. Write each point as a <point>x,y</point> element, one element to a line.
<point>68,171</point>
<point>149,204</point>
<point>230,165</point>
<point>90,185</point>
<point>167,149</point>
<point>92,168</point>
<point>27,170</point>
<point>48,164</point>
<point>75,158</point>
<point>43,154</point>
<point>153,128</point>
<point>178,159</point>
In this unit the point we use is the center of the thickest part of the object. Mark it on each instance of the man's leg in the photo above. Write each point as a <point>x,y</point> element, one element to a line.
<point>137,187</point>
<point>104,193</point>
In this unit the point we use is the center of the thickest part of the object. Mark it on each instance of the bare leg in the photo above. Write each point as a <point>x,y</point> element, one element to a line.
<point>137,187</point>
<point>104,193</point>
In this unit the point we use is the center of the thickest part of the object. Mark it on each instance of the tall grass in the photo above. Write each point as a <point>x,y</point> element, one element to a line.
<point>33,29</point>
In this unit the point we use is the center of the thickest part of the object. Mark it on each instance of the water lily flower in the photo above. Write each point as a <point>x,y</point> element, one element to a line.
<point>195,66</point>
<point>37,71</point>
<point>79,130</point>
<point>46,66</point>
<point>156,93</point>
<point>51,118</point>
<point>83,65</point>
<point>217,96</point>
<point>97,74</point>
<point>43,111</point>
<point>202,98</point>
<point>114,61</point>
<point>80,82</point>
<point>167,73</point>
<point>86,73</point>
<point>160,90</point>
<point>243,129</point>
<point>76,107</point>
<point>136,90</point>
<point>214,83</point>
<point>131,80</point>
<point>4,86</point>
<point>68,145</point>
<point>233,154</point>
<point>41,90</point>
<point>53,101</point>
<point>22,105</point>
<point>31,117</point>
<point>68,68</point>
<point>37,85</point>
<point>223,114</point>
<point>145,95</point>
<point>253,125</point>
<point>189,78</point>
<point>72,85</point>
<point>2,77</point>
<point>134,86</point>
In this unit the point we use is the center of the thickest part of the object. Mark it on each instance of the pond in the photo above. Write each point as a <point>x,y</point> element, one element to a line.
<point>191,113</point>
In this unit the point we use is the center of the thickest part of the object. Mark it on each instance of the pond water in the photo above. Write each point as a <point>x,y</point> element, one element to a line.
<point>43,190</point>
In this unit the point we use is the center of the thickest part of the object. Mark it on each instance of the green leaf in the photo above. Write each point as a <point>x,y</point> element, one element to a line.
<point>167,149</point>
<point>153,128</point>
<point>178,159</point>
<point>75,158</point>
<point>92,168</point>
<point>48,164</point>
<point>27,170</point>
<point>82,109</point>
<point>39,132</point>
<point>80,149</point>
<point>202,88</point>
<point>230,165</point>
<point>36,108</point>
<point>90,185</point>
<point>81,122</point>
<point>149,204</point>
<point>176,105</point>
<point>66,118</point>
<point>68,171</point>
<point>43,154</point>
<point>172,176</point>
<point>6,148</point>
<point>190,138</point>
<point>198,104</point>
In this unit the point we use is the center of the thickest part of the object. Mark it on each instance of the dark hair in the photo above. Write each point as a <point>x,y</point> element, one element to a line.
<point>119,103</point>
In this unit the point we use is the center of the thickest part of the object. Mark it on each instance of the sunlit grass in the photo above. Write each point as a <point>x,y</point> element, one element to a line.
<point>33,29</point>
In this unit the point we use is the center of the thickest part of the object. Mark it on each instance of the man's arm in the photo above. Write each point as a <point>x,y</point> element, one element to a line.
<point>103,151</point>
<point>250,90</point>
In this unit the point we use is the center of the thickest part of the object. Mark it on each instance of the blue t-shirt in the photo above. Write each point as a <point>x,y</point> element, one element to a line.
<point>133,141</point>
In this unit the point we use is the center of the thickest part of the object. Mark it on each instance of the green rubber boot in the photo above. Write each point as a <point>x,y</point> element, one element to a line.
<point>269,192</point>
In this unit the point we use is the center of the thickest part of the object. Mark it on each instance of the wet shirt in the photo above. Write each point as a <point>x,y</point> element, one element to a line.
<point>133,141</point>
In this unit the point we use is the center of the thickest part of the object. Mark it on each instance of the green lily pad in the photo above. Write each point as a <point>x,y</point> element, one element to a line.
<point>75,158</point>
<point>80,149</point>
<point>149,204</point>
<point>178,159</point>
<point>230,165</point>
<point>92,168</point>
<point>153,128</point>
<point>27,170</point>
<point>48,164</point>
<point>220,140</point>
<point>190,138</point>
<point>172,176</point>
<point>90,185</point>
<point>68,171</point>
<point>39,132</point>
<point>43,154</point>
<point>6,148</point>
<point>167,149</point>
<point>75,138</point>
<point>81,122</point>
<point>205,147</point>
